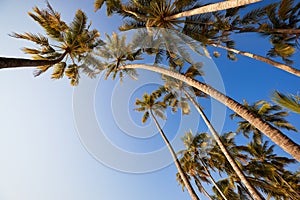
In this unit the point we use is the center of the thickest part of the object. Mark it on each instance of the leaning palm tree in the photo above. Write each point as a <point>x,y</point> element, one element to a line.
<point>151,107</point>
<point>289,101</point>
<point>273,133</point>
<point>270,113</point>
<point>214,29</point>
<point>70,43</point>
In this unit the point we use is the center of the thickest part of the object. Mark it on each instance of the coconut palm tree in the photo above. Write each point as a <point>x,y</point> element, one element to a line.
<point>194,170</point>
<point>168,14</point>
<point>151,107</point>
<point>270,113</point>
<point>196,151</point>
<point>289,101</point>
<point>264,164</point>
<point>274,134</point>
<point>70,44</point>
<point>213,29</point>
<point>177,89</point>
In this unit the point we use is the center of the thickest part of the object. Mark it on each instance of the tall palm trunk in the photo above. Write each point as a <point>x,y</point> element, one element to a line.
<point>261,58</point>
<point>200,187</point>
<point>289,31</point>
<point>274,134</point>
<point>177,163</point>
<point>211,178</point>
<point>229,158</point>
<point>212,8</point>
<point>6,63</point>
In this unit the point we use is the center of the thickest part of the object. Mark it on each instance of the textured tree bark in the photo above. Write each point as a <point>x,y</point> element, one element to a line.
<point>274,134</point>
<point>212,8</point>
<point>261,58</point>
<point>6,63</point>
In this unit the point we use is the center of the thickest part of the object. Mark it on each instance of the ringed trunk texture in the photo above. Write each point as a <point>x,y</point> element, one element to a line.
<point>6,63</point>
<point>261,58</point>
<point>212,8</point>
<point>274,134</point>
<point>177,163</point>
<point>254,193</point>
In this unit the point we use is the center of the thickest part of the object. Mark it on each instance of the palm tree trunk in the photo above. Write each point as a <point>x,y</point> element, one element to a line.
<point>212,8</point>
<point>211,178</point>
<point>289,31</point>
<point>274,134</point>
<point>261,58</point>
<point>231,161</point>
<point>201,188</point>
<point>177,163</point>
<point>6,63</point>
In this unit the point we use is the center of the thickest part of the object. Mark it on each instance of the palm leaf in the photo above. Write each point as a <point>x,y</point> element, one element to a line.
<point>288,101</point>
<point>98,4</point>
<point>58,71</point>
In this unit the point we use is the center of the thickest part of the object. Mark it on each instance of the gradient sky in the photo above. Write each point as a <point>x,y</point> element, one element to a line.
<point>42,152</point>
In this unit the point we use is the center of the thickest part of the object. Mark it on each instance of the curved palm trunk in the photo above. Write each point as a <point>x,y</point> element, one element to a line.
<point>201,188</point>
<point>289,31</point>
<point>231,161</point>
<point>211,178</point>
<point>274,134</point>
<point>6,63</point>
<point>177,163</point>
<point>212,8</point>
<point>261,58</point>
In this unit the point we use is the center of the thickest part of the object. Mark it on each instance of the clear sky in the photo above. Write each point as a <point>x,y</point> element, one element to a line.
<point>44,153</point>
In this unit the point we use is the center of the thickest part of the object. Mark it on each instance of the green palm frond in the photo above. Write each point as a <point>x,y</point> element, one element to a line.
<point>58,71</point>
<point>78,24</point>
<point>39,39</point>
<point>289,101</point>
<point>285,9</point>
<point>145,117</point>
<point>98,4</point>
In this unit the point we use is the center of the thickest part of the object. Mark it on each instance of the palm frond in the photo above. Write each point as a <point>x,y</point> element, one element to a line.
<point>58,71</point>
<point>288,101</point>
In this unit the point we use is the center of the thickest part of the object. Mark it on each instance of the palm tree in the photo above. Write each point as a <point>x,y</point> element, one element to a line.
<point>72,42</point>
<point>196,148</point>
<point>215,29</point>
<point>194,170</point>
<point>167,14</point>
<point>274,134</point>
<point>289,101</point>
<point>269,113</point>
<point>264,164</point>
<point>217,160</point>
<point>176,88</point>
<point>150,106</point>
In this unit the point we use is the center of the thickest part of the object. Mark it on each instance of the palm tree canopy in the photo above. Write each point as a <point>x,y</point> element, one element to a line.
<point>69,42</point>
<point>270,113</point>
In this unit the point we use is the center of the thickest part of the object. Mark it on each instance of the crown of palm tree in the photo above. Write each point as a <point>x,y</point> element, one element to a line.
<point>270,113</point>
<point>63,44</point>
<point>148,104</point>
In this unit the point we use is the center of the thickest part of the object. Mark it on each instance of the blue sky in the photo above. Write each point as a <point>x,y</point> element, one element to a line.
<point>43,152</point>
